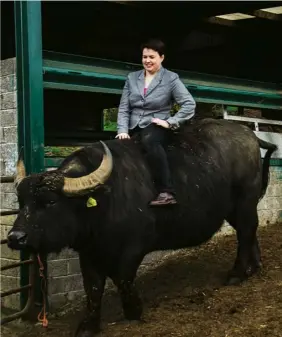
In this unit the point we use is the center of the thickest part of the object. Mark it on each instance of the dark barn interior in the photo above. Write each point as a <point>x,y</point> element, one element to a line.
<point>115,31</point>
<point>196,41</point>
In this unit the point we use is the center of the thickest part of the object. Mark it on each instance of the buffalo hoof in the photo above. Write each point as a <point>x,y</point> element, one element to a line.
<point>234,281</point>
<point>86,334</point>
<point>235,278</point>
<point>87,329</point>
<point>131,322</point>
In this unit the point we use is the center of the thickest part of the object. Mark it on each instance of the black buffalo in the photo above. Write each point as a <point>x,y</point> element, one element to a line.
<point>218,175</point>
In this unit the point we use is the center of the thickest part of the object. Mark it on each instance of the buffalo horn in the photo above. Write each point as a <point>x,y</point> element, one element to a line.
<point>84,184</point>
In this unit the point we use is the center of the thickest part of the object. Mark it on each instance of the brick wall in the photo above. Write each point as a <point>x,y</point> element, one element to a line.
<point>64,278</point>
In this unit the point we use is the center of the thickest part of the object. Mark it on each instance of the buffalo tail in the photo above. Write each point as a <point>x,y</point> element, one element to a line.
<point>266,162</point>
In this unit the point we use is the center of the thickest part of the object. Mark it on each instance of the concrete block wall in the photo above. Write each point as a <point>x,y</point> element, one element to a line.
<point>9,279</point>
<point>64,277</point>
<point>8,155</point>
<point>8,129</point>
<point>270,207</point>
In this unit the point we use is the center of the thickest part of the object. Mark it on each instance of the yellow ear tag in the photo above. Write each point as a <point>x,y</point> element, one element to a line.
<point>91,202</point>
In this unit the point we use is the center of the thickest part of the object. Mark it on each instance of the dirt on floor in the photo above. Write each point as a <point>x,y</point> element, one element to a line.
<point>185,296</point>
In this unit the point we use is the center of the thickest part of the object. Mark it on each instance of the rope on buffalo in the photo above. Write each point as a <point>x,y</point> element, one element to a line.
<point>42,317</point>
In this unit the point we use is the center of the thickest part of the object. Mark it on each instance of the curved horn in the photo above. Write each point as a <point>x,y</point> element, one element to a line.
<point>82,185</point>
<point>20,170</point>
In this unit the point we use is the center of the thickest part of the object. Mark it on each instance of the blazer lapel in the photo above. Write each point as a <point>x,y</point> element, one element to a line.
<point>156,81</point>
<point>141,83</point>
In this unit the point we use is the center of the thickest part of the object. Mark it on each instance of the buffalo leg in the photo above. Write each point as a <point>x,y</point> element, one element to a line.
<point>248,253</point>
<point>124,280</point>
<point>94,283</point>
<point>256,257</point>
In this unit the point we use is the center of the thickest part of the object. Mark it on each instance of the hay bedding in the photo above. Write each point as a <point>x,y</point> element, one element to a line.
<point>184,296</point>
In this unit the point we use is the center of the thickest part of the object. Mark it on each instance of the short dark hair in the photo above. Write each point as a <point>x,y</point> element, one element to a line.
<point>156,45</point>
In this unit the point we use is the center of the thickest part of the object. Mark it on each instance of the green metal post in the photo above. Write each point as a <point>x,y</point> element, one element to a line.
<point>30,107</point>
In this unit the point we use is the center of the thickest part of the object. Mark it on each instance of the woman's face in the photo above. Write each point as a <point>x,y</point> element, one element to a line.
<point>151,60</point>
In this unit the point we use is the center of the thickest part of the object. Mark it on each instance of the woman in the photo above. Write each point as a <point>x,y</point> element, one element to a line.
<point>145,107</point>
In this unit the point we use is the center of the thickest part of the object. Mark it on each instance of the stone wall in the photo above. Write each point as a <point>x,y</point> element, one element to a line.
<point>64,278</point>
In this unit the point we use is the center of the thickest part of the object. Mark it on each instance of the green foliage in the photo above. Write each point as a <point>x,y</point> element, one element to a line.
<point>59,151</point>
<point>232,109</point>
<point>110,119</point>
<point>174,109</point>
<point>110,126</point>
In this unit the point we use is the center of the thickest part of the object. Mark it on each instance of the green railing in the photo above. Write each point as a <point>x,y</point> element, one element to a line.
<point>74,72</point>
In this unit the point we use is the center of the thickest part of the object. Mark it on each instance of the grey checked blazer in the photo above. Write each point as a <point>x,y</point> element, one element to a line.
<point>135,109</point>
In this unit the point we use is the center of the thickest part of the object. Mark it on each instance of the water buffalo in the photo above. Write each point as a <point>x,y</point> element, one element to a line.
<point>218,175</point>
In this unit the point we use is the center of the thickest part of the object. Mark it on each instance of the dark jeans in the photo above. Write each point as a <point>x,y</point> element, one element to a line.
<point>155,140</point>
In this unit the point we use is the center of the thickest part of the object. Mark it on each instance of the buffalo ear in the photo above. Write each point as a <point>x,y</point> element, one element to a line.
<point>20,169</point>
<point>105,188</point>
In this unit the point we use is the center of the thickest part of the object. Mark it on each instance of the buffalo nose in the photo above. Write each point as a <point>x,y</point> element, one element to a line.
<point>16,238</point>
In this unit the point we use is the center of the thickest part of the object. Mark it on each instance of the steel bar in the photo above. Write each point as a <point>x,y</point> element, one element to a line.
<point>14,265</point>
<point>14,291</point>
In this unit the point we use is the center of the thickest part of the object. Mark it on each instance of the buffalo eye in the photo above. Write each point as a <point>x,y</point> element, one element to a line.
<point>50,203</point>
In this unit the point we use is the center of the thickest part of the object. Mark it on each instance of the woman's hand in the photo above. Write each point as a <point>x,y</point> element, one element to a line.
<point>123,135</point>
<point>160,122</point>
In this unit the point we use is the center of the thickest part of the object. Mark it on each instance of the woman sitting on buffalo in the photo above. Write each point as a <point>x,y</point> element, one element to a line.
<point>145,107</point>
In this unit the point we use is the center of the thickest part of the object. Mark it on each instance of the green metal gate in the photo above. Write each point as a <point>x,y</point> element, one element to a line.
<point>29,267</point>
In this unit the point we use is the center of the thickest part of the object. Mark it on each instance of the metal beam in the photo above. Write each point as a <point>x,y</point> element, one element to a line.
<point>255,17</point>
<point>70,72</point>
<point>221,21</point>
<point>30,102</point>
<point>268,15</point>
<point>128,2</point>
